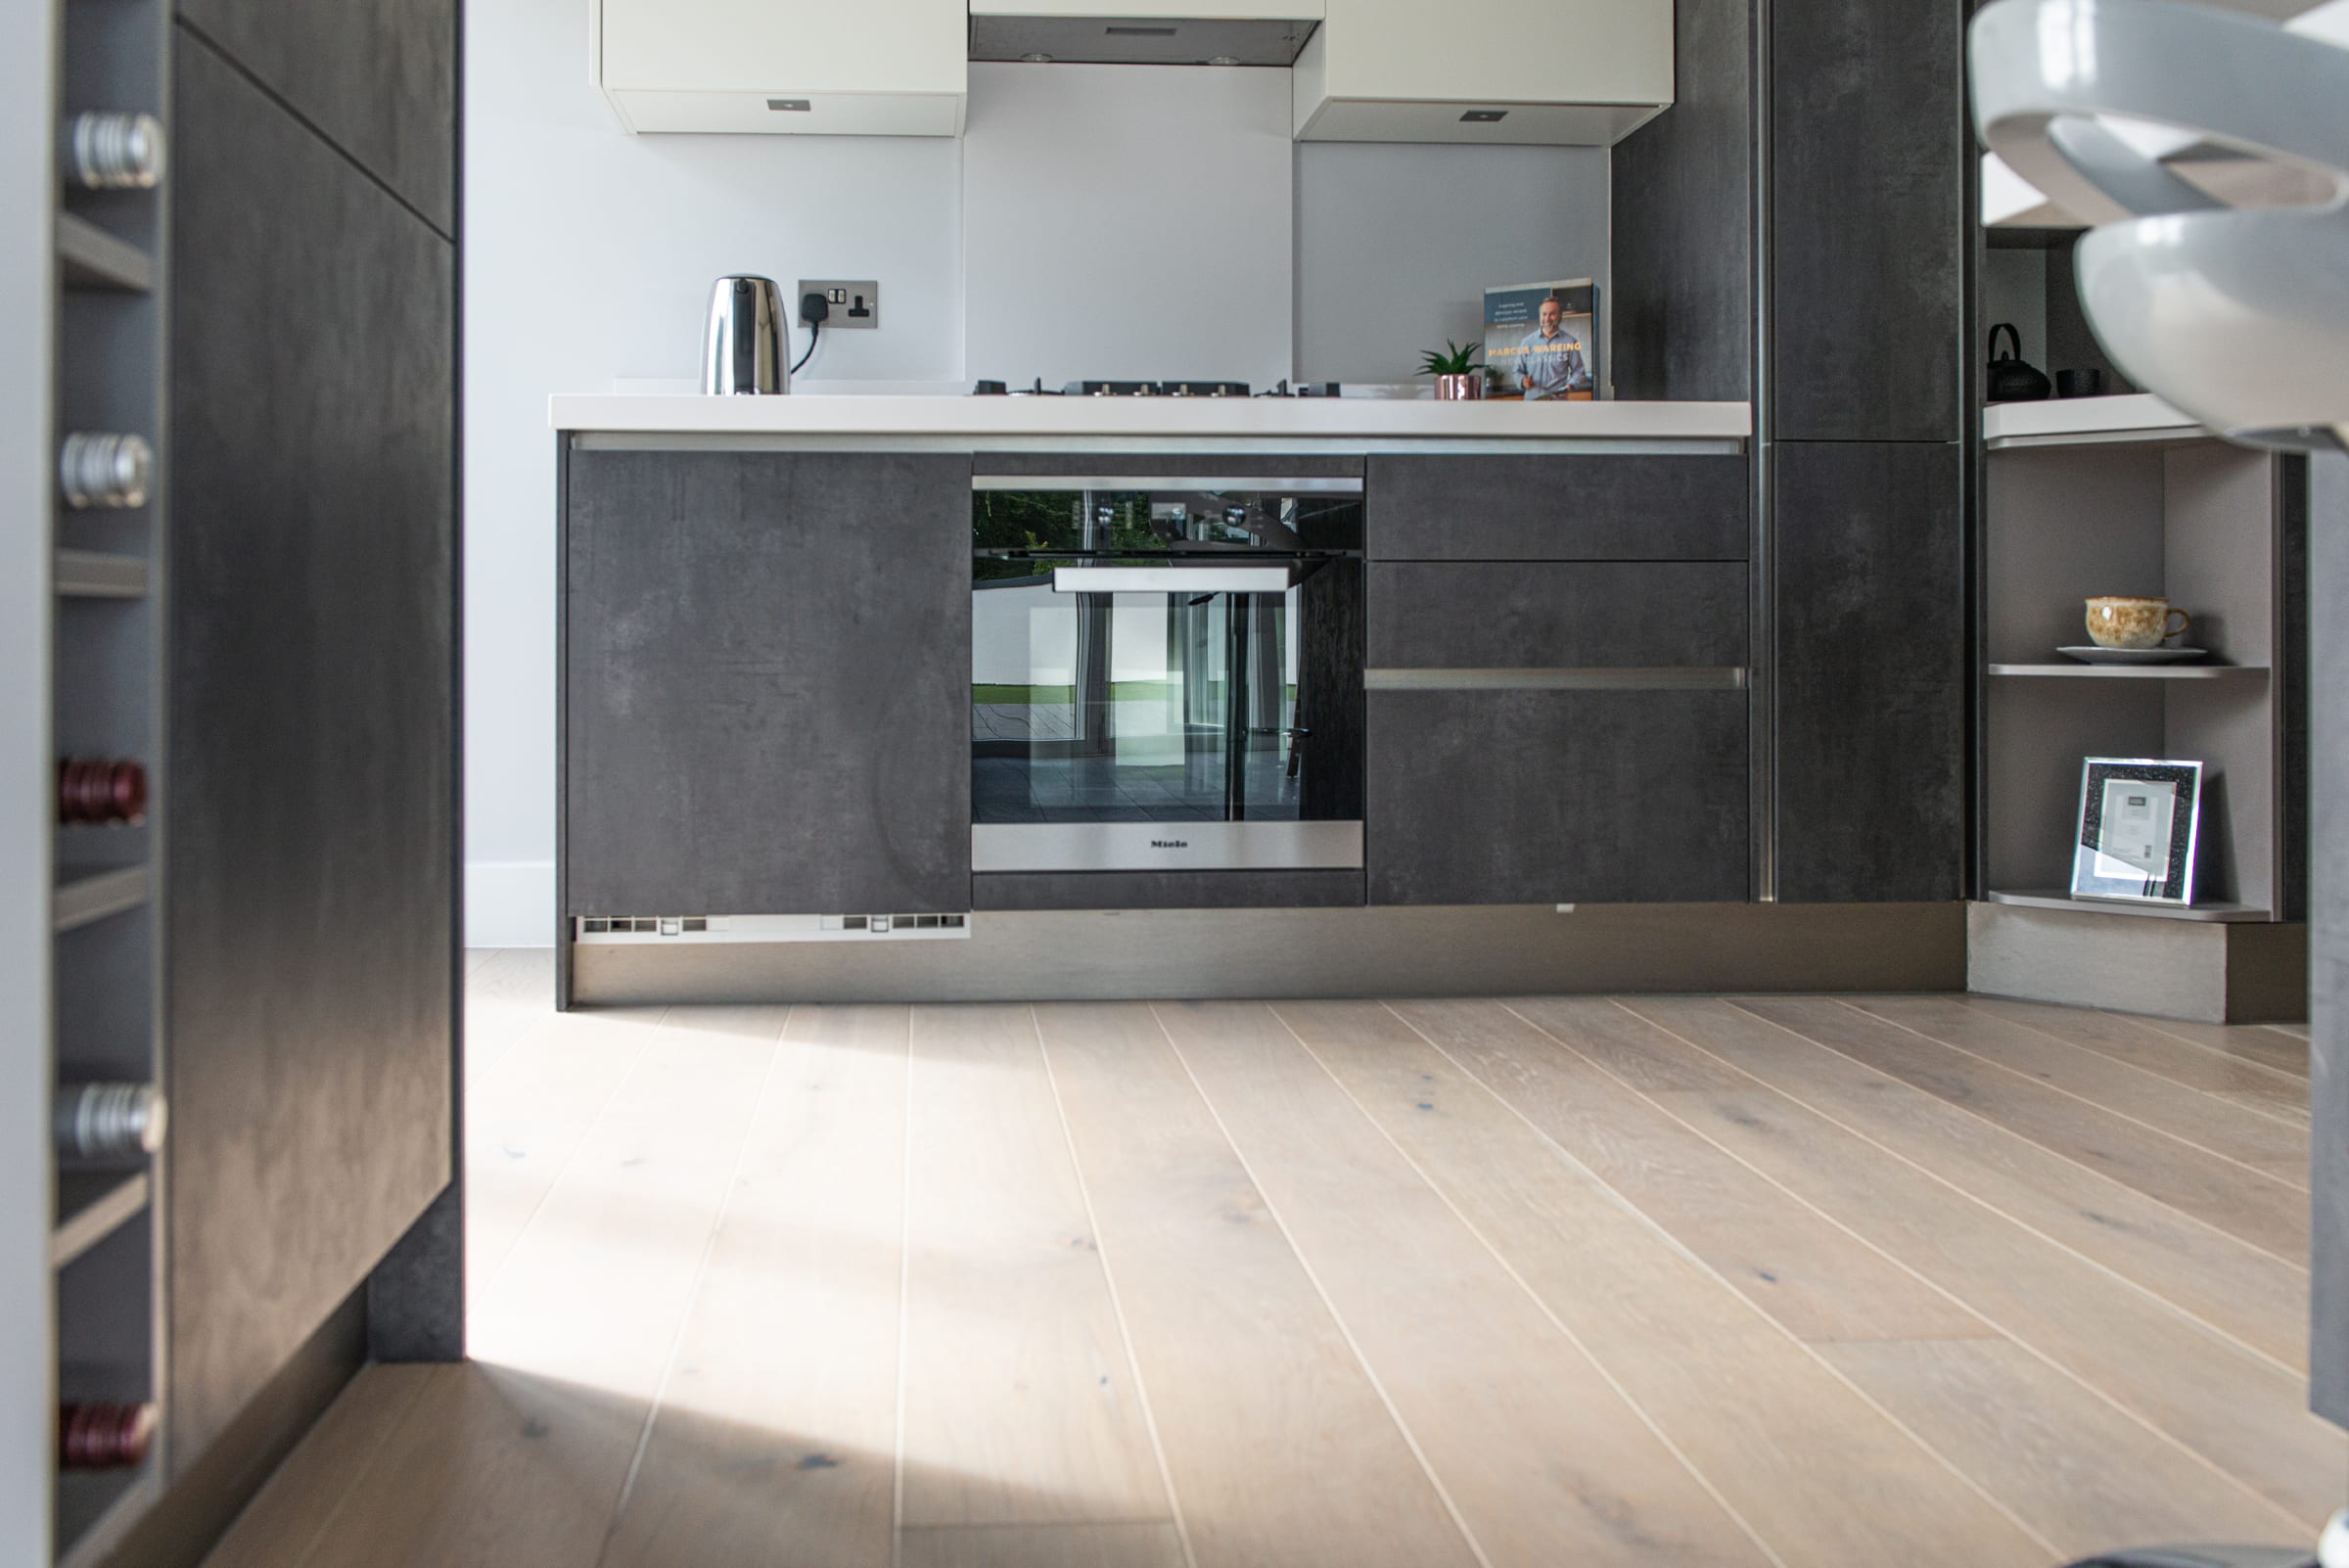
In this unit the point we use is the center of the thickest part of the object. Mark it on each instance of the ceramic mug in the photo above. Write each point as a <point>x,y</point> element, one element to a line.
<point>2133,623</point>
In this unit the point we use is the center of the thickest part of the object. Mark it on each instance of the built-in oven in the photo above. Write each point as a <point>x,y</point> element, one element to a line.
<point>1166,674</point>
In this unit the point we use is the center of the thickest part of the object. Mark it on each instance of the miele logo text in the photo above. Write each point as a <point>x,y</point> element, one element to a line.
<point>1170,844</point>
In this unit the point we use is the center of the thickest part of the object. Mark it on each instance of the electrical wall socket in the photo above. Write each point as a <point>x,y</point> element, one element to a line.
<point>855,303</point>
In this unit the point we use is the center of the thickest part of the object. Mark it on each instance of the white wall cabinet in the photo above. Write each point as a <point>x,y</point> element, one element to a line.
<point>1551,73</point>
<point>816,68</point>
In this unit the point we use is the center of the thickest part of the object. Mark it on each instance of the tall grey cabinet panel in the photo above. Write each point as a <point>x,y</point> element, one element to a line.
<point>313,753</point>
<point>1867,219</point>
<point>2329,937</point>
<point>1872,640</point>
<point>1682,222</point>
<point>766,674</point>
<point>376,77</point>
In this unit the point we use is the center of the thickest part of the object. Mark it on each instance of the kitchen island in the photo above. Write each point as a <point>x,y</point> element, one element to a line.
<point>1525,693</point>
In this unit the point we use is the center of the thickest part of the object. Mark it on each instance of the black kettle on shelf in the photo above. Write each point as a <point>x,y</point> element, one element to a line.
<point>2009,380</point>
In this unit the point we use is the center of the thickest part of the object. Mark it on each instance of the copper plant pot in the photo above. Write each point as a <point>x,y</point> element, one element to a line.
<point>1468,389</point>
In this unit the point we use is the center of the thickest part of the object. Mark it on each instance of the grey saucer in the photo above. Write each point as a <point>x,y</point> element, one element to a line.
<point>2135,655</point>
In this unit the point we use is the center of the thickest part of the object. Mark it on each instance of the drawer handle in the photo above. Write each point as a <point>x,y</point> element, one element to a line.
<point>1688,677</point>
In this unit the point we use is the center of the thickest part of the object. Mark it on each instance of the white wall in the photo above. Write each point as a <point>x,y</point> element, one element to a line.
<point>1119,220</point>
<point>28,782</point>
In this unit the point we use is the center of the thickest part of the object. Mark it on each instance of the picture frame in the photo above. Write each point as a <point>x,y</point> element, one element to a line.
<point>2140,825</point>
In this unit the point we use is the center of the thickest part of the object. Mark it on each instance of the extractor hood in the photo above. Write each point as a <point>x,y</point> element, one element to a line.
<point>1119,40</point>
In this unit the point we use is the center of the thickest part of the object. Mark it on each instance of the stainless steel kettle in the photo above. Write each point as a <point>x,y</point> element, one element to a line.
<point>746,352</point>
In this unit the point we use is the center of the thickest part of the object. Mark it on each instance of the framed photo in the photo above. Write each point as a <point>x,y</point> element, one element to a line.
<point>2139,821</point>
<point>1542,340</point>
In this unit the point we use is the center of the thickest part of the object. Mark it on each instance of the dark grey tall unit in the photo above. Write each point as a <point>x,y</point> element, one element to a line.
<point>2328,935</point>
<point>1793,233</point>
<point>311,949</point>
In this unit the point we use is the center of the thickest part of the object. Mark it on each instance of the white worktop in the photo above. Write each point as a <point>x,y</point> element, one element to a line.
<point>987,419</point>
<point>2083,421</point>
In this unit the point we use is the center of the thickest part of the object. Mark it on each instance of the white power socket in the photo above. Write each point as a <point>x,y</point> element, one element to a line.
<point>855,303</point>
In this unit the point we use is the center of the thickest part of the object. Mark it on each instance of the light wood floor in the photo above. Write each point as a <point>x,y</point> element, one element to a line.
<point>1520,1284</point>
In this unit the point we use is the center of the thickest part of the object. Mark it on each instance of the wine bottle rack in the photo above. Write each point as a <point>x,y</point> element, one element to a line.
<point>110,112</point>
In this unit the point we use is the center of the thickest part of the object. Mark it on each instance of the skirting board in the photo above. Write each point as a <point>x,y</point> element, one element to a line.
<point>2207,973</point>
<point>509,903</point>
<point>1170,953</point>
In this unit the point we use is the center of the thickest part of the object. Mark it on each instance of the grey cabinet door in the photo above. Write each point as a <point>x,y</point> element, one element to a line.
<point>311,923</point>
<point>766,682</point>
<point>1557,797</point>
<point>1558,615</point>
<point>1871,673</point>
<point>1868,151</point>
<point>1628,508</point>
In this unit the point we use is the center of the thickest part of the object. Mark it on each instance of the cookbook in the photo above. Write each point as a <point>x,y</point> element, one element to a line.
<point>1540,339</point>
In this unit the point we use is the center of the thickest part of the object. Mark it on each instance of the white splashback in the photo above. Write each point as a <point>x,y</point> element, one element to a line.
<point>1128,222</point>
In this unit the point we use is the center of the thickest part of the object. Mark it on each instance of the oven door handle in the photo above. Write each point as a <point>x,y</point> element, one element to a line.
<point>1191,580</point>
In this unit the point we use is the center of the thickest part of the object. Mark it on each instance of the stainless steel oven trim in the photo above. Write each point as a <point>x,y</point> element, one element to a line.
<point>1097,482</point>
<point>1167,846</point>
<point>1172,580</point>
<point>1688,678</point>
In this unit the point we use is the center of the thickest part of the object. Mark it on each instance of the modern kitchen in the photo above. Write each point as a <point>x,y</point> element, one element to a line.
<point>951,783</point>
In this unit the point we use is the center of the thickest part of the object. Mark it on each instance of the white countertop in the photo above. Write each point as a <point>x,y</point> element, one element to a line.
<point>2074,421</point>
<point>1093,418</point>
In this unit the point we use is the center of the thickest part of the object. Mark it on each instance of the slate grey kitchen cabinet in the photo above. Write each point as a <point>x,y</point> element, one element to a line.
<point>378,80</point>
<point>1871,644</point>
<point>766,683</point>
<point>312,944</point>
<point>1558,615</point>
<point>1866,219</point>
<point>1553,508</point>
<point>1557,797</point>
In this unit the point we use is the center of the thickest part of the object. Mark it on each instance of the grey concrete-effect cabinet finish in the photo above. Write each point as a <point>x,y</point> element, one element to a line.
<point>378,78</point>
<point>766,683</point>
<point>1682,222</point>
<point>1628,508</point>
<point>1557,797</point>
<point>1166,890</point>
<point>313,749</point>
<point>1871,644</point>
<point>1867,223</point>
<point>2328,935</point>
<point>1540,615</point>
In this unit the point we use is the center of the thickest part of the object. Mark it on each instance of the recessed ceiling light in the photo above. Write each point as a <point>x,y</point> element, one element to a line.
<point>1224,60</point>
<point>1483,116</point>
<point>1038,59</point>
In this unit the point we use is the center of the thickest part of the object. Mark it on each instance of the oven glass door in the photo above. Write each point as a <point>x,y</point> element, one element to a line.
<point>1162,711</point>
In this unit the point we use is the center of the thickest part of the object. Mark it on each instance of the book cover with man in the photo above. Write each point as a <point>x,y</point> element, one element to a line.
<point>1540,340</point>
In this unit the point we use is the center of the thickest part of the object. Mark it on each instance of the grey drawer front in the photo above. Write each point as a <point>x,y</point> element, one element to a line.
<point>1557,797</point>
<point>1558,615</point>
<point>1558,508</point>
<point>1164,890</point>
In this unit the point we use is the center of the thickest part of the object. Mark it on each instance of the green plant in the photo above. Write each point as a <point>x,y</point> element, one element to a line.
<point>1453,361</point>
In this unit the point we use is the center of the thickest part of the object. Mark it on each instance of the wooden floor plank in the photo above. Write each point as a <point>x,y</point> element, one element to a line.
<point>1020,1405</point>
<point>2243,1414</point>
<point>1823,1477</point>
<point>295,1509</point>
<point>1807,1273</point>
<point>2250,1205</point>
<point>1278,1446</point>
<point>776,1440</point>
<point>476,957</point>
<point>2248,1042</point>
<point>527,1117</point>
<point>492,1468</point>
<point>2258,1298</point>
<point>2298,1032</point>
<point>1549,1462</point>
<point>2126,1039</point>
<point>1071,1545</point>
<point>2278,1148</point>
<point>509,995</point>
<point>2081,1472</point>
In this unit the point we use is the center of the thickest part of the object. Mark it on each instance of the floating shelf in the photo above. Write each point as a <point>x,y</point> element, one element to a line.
<point>2074,671</point>
<point>92,1208</point>
<point>97,574</point>
<point>2204,913</point>
<point>85,899</point>
<point>92,259</point>
<point>2086,422</point>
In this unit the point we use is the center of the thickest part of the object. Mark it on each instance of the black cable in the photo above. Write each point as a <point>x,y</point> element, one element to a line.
<point>815,330</point>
